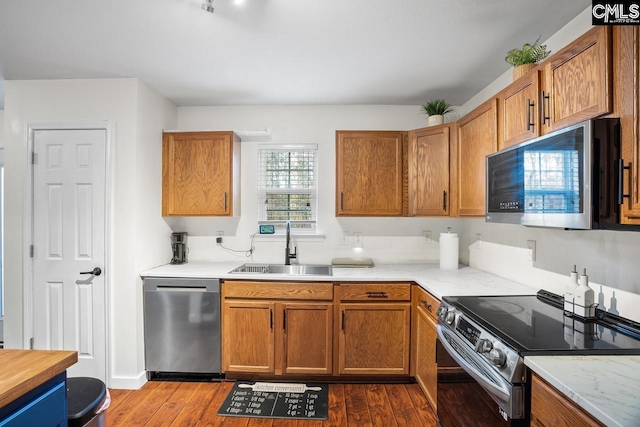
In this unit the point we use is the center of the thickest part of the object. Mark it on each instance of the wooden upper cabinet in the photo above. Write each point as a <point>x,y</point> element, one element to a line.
<point>477,137</point>
<point>200,174</point>
<point>519,111</point>
<point>626,54</point>
<point>369,173</point>
<point>430,170</point>
<point>577,81</point>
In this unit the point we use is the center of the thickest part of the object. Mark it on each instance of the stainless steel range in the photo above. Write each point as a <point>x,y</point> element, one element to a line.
<point>488,336</point>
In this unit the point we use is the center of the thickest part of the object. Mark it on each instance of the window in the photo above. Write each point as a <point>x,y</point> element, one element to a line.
<point>287,186</point>
<point>552,181</point>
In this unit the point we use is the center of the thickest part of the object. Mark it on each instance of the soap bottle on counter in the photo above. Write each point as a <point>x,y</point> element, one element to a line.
<point>583,297</point>
<point>570,290</point>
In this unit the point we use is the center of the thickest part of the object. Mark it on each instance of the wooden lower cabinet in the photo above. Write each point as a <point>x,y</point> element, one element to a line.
<point>308,334</point>
<point>550,408</point>
<point>248,336</point>
<point>374,338</point>
<point>426,368</point>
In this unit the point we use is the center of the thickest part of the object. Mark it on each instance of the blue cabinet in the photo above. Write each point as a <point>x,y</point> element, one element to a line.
<point>44,406</point>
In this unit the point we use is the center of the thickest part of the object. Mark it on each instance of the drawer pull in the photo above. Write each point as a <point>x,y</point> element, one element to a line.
<point>426,305</point>
<point>380,294</point>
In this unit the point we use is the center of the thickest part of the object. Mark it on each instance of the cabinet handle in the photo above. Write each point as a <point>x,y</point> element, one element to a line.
<point>444,200</point>
<point>619,184</point>
<point>381,294</point>
<point>343,320</point>
<point>226,197</point>
<point>341,201</point>
<point>545,117</point>
<point>271,319</point>
<point>426,305</point>
<point>284,319</point>
<point>530,105</point>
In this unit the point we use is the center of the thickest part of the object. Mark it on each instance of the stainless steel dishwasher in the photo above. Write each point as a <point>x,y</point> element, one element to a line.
<point>182,328</point>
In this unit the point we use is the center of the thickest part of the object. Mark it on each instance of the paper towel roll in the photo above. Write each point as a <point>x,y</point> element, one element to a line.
<point>448,251</point>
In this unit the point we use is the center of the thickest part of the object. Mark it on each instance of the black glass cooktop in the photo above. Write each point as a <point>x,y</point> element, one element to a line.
<point>536,324</point>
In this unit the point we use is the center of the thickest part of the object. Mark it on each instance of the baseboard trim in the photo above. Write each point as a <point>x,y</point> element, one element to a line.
<point>128,383</point>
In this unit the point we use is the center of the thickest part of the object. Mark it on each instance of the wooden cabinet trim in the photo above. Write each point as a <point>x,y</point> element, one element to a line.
<point>278,290</point>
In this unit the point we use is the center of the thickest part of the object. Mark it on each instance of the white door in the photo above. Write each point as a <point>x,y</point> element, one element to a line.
<point>69,306</point>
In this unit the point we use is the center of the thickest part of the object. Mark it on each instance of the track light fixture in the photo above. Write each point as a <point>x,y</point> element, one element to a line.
<point>208,6</point>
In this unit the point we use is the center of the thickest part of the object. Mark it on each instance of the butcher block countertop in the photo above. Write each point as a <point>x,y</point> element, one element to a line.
<point>24,370</point>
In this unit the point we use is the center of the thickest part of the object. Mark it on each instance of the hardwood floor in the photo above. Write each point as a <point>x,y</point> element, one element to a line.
<point>196,404</point>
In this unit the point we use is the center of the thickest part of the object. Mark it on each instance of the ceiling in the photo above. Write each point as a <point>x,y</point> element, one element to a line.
<point>394,52</point>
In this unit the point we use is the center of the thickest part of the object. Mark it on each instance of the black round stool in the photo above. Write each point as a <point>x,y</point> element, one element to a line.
<point>85,396</point>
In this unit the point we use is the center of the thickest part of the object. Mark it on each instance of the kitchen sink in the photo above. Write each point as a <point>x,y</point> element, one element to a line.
<point>293,270</point>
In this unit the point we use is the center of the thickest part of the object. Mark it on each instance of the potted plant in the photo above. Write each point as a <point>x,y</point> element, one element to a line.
<point>435,110</point>
<point>525,59</point>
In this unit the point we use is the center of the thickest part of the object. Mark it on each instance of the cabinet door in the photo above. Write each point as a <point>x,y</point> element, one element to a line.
<point>476,138</point>
<point>247,336</point>
<point>627,62</point>
<point>518,111</point>
<point>197,173</point>
<point>578,81</point>
<point>429,172</point>
<point>308,336</point>
<point>374,339</point>
<point>426,367</point>
<point>369,173</point>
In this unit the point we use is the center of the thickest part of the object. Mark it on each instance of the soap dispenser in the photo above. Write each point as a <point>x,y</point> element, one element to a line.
<point>583,297</point>
<point>570,290</point>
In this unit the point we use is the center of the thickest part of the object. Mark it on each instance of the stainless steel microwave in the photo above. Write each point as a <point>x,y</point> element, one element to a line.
<point>571,178</point>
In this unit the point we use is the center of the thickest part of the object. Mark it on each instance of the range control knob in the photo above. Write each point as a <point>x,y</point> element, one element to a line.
<point>483,345</point>
<point>442,310</point>
<point>497,357</point>
<point>450,317</point>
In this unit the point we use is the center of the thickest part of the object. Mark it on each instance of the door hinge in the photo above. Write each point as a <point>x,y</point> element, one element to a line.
<point>31,343</point>
<point>33,157</point>
<point>31,251</point>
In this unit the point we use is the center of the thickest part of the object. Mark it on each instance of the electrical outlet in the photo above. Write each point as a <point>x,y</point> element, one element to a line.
<point>531,250</point>
<point>427,237</point>
<point>220,233</point>
<point>345,238</point>
<point>357,240</point>
<point>479,241</point>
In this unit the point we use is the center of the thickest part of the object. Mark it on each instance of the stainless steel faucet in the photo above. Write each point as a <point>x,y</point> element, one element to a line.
<point>288,256</point>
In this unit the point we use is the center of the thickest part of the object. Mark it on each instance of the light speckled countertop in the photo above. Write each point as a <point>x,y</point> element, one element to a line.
<point>607,387</point>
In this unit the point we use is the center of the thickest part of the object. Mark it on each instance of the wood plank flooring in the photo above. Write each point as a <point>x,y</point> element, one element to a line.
<point>196,404</point>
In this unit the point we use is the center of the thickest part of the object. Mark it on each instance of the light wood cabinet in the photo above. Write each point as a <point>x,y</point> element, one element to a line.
<point>277,328</point>
<point>369,173</point>
<point>374,337</point>
<point>519,111</point>
<point>550,408</point>
<point>424,341</point>
<point>432,170</point>
<point>626,58</point>
<point>577,81</point>
<point>200,174</point>
<point>477,137</point>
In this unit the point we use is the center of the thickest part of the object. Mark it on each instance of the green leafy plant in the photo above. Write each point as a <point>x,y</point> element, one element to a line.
<point>529,54</point>
<point>436,107</point>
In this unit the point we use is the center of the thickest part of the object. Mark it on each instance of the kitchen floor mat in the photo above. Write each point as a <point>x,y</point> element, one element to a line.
<point>276,400</point>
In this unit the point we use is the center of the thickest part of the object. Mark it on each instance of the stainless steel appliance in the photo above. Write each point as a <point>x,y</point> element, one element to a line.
<point>182,327</point>
<point>179,247</point>
<point>571,178</point>
<point>488,336</point>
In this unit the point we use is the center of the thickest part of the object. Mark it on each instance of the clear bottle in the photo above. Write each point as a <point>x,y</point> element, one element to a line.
<point>570,289</point>
<point>583,297</point>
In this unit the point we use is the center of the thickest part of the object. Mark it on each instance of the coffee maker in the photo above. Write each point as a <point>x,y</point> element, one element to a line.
<point>179,247</point>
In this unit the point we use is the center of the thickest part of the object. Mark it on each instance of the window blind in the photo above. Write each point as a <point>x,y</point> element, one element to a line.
<point>287,186</point>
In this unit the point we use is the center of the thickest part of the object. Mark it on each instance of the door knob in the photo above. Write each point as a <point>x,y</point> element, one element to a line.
<point>96,271</point>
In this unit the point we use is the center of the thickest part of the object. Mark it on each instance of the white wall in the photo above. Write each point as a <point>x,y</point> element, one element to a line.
<point>385,240</point>
<point>1,128</point>
<point>115,101</point>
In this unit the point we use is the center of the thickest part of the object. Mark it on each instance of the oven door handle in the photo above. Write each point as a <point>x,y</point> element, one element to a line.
<point>502,392</point>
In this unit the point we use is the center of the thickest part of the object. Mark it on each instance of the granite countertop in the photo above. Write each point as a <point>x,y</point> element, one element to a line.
<point>24,370</point>
<point>607,387</point>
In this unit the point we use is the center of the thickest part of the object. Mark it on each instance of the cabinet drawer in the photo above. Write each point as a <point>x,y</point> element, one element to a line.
<point>375,292</point>
<point>278,290</point>
<point>425,301</point>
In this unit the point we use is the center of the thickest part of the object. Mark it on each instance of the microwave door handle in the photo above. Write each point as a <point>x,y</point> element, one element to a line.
<point>619,177</point>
